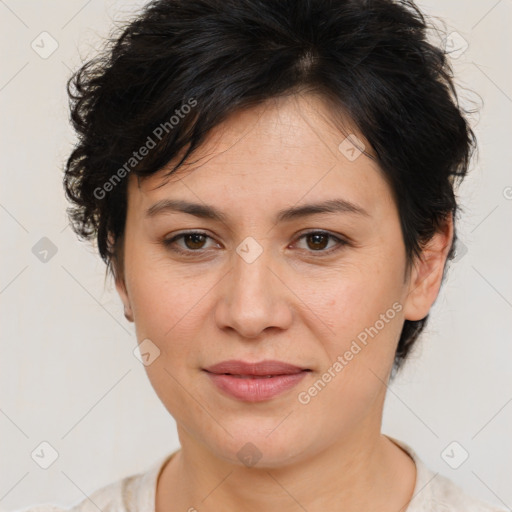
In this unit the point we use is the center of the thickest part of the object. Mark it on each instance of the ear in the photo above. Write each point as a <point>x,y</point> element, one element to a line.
<point>121,289</point>
<point>427,273</point>
<point>121,284</point>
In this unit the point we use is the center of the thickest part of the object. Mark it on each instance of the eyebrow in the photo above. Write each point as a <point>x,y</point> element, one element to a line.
<point>210,212</point>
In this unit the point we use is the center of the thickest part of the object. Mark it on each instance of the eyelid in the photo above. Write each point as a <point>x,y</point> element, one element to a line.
<point>340,241</point>
<point>167,242</point>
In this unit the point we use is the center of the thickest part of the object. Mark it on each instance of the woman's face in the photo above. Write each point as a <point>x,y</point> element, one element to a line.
<point>254,288</point>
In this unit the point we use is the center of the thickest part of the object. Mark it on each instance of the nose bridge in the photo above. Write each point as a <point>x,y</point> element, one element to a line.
<point>249,304</point>
<point>251,271</point>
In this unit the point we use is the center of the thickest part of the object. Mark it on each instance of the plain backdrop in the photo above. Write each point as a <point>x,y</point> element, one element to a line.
<point>68,374</point>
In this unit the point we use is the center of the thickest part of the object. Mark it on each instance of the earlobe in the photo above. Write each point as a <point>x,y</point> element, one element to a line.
<point>427,273</point>
<point>128,314</point>
<point>120,282</point>
<point>121,290</point>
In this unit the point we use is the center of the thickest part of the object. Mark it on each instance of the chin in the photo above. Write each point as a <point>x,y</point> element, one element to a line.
<point>260,448</point>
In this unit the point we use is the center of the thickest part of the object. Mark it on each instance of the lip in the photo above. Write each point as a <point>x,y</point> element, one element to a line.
<point>249,382</point>
<point>261,368</point>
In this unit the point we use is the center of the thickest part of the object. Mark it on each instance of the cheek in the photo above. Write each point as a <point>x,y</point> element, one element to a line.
<point>154,296</point>
<point>170,307</point>
<point>366,318</point>
<point>163,308</point>
<point>359,355</point>
<point>165,311</point>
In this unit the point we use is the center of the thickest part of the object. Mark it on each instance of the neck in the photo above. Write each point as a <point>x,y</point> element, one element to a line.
<point>356,473</point>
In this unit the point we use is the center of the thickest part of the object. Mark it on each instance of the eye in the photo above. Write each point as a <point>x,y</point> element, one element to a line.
<point>194,242</point>
<point>318,240</point>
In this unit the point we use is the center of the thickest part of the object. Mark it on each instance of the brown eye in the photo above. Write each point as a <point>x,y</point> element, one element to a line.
<point>193,241</point>
<point>317,241</point>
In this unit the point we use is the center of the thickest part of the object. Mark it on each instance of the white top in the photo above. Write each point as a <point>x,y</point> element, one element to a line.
<point>136,493</point>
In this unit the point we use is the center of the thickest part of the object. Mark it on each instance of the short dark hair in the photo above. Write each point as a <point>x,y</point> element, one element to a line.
<point>371,59</point>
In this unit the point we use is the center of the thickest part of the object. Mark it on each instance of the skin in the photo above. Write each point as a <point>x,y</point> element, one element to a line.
<point>291,304</point>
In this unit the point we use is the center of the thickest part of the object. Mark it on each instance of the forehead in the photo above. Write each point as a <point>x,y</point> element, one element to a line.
<point>284,151</point>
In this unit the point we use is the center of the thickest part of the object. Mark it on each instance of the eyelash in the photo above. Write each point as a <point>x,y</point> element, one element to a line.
<point>190,253</point>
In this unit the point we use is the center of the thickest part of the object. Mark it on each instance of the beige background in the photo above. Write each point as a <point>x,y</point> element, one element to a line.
<point>68,374</point>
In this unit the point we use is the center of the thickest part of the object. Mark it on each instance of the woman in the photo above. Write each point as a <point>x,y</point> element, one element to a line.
<point>271,185</point>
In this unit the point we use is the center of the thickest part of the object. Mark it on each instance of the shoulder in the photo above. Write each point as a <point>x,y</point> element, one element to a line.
<point>114,497</point>
<point>42,508</point>
<point>449,497</point>
<point>434,491</point>
<point>129,494</point>
<point>106,499</point>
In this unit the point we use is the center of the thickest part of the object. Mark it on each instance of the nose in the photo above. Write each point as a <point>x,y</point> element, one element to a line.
<point>254,297</point>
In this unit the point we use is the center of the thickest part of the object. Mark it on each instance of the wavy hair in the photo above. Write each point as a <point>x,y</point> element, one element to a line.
<point>371,59</point>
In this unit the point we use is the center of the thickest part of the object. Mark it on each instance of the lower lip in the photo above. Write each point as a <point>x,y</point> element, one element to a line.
<point>255,389</point>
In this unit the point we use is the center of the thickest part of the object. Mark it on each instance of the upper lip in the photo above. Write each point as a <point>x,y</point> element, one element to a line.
<point>267,367</point>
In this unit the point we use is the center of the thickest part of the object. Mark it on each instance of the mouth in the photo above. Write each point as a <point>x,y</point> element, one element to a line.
<point>262,369</point>
<point>255,376</point>
<point>255,382</point>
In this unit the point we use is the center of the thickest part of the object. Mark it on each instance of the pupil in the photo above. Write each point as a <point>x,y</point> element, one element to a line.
<point>316,237</point>
<point>194,237</point>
